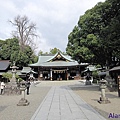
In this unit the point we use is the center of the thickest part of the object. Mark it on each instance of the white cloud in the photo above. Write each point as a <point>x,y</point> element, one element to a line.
<point>55,19</point>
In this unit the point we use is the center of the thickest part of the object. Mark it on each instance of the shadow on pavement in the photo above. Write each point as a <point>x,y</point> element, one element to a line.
<point>85,87</point>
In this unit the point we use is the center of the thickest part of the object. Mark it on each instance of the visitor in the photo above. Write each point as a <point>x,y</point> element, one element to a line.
<point>2,87</point>
<point>28,86</point>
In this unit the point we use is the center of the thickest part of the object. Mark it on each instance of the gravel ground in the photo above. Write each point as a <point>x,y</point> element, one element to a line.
<point>91,95</point>
<point>9,109</point>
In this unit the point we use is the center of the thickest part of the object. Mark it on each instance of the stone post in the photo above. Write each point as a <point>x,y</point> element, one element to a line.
<point>103,87</point>
<point>67,74</point>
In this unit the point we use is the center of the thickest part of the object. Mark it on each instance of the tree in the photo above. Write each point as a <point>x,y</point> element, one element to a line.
<point>9,47</point>
<point>77,48</point>
<point>10,50</point>
<point>97,31</point>
<point>25,31</point>
<point>1,43</point>
<point>40,52</point>
<point>7,76</point>
<point>54,50</point>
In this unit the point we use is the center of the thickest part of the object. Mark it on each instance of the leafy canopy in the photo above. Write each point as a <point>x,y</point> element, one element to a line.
<point>10,50</point>
<point>96,37</point>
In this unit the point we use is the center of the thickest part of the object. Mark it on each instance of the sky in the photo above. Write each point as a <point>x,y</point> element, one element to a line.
<point>54,19</point>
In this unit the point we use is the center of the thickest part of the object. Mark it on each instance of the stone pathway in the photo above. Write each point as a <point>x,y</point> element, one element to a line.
<point>61,103</point>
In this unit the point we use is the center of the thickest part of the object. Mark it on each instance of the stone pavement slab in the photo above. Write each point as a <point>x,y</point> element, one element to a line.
<point>61,103</point>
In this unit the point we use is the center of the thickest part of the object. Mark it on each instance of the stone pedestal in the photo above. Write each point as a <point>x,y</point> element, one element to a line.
<point>12,90</point>
<point>23,102</point>
<point>88,82</point>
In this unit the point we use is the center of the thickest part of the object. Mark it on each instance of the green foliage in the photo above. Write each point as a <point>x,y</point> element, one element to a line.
<point>98,66</point>
<point>96,38</point>
<point>1,43</point>
<point>22,59</point>
<point>7,76</point>
<point>19,79</point>
<point>95,74</point>
<point>34,59</point>
<point>8,47</point>
<point>40,52</point>
<point>10,50</point>
<point>54,51</point>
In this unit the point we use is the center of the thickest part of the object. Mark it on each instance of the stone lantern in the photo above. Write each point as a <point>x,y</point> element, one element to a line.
<point>103,99</point>
<point>31,75</point>
<point>23,101</point>
<point>12,87</point>
<point>14,68</point>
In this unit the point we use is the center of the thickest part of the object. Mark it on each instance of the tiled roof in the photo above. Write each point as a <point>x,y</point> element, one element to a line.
<point>4,64</point>
<point>48,61</point>
<point>64,56</point>
<point>25,70</point>
<point>115,68</point>
<point>59,63</point>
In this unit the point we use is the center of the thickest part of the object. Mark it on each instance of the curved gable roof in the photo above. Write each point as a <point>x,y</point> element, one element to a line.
<point>59,55</point>
<point>55,60</point>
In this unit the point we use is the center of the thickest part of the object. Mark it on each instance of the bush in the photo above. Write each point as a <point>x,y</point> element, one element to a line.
<point>8,76</point>
<point>95,74</point>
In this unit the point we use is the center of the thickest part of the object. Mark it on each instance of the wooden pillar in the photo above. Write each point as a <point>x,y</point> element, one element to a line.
<point>119,86</point>
<point>51,74</point>
<point>38,73</point>
<point>67,74</point>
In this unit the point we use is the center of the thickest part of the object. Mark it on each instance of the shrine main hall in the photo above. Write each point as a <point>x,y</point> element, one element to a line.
<point>57,67</point>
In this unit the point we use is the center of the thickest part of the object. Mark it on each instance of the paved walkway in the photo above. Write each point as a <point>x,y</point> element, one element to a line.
<point>61,103</point>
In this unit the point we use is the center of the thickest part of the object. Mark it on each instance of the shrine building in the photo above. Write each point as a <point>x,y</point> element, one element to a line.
<point>57,67</point>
